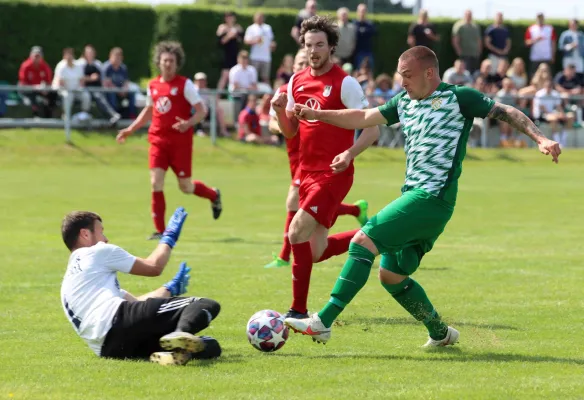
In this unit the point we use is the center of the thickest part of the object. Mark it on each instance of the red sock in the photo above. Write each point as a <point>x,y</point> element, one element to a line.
<point>301,269</point>
<point>158,209</point>
<point>349,209</point>
<point>204,191</point>
<point>337,244</point>
<point>285,252</point>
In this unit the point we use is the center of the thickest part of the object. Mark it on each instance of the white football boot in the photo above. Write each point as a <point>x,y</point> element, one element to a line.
<point>179,357</point>
<point>312,326</point>
<point>450,339</point>
<point>182,341</point>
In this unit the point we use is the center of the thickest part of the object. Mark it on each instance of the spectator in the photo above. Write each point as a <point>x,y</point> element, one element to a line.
<point>365,32</point>
<point>422,32</point>
<point>200,80</point>
<point>250,130</point>
<point>34,71</point>
<point>308,11</point>
<point>397,87</point>
<point>467,43</point>
<point>92,78</point>
<point>116,75</point>
<point>497,41</point>
<point>230,35</point>
<point>572,46</point>
<point>500,73</point>
<point>541,39</point>
<point>243,77</point>
<point>347,36</point>
<point>567,82</point>
<point>458,75</point>
<point>547,107</point>
<point>383,90</point>
<point>517,74</point>
<point>365,74</point>
<point>542,75</point>
<point>69,79</point>
<point>485,73</point>
<point>285,72</point>
<point>260,37</point>
<point>506,95</point>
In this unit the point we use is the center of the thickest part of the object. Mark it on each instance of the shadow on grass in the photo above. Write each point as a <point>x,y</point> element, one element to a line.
<point>239,240</point>
<point>410,321</point>
<point>236,155</point>
<point>507,157</point>
<point>224,359</point>
<point>456,355</point>
<point>87,153</point>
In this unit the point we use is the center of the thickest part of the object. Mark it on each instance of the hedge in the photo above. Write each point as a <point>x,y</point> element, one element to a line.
<point>137,28</point>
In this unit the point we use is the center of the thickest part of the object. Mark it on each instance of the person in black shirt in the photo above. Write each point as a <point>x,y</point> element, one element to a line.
<point>497,41</point>
<point>308,11</point>
<point>230,35</point>
<point>422,32</point>
<point>365,32</point>
<point>92,71</point>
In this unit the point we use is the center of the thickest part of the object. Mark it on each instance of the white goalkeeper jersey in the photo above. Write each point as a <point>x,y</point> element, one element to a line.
<point>90,292</point>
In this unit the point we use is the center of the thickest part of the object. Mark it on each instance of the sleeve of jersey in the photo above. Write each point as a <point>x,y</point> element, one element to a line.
<point>118,259</point>
<point>192,93</point>
<point>389,110</point>
<point>148,97</point>
<point>352,94</point>
<point>272,111</point>
<point>290,104</point>
<point>473,104</point>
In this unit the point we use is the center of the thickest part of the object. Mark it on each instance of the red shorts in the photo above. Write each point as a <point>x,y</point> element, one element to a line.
<point>177,156</point>
<point>295,172</point>
<point>321,194</point>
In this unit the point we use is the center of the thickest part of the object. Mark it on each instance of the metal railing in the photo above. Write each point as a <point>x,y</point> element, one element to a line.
<point>213,97</point>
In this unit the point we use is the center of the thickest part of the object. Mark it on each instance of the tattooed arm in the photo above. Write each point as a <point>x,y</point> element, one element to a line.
<point>523,124</point>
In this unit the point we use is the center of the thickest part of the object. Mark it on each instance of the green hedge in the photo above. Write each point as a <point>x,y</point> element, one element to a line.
<point>137,28</point>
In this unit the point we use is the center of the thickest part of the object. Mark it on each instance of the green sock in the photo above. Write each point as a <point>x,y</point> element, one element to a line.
<point>411,296</point>
<point>352,278</point>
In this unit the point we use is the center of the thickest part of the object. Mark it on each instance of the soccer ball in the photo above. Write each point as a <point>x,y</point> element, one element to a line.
<point>266,330</point>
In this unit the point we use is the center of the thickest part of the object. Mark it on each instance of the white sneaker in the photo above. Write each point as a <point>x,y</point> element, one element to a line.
<point>312,326</point>
<point>182,341</point>
<point>450,339</point>
<point>179,357</point>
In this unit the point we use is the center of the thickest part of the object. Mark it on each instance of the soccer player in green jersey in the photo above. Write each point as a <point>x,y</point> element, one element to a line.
<point>436,119</point>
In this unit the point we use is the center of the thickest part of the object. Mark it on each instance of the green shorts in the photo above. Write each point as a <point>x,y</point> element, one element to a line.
<point>407,228</point>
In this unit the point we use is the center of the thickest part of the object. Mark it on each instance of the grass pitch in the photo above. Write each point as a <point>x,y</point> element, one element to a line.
<point>507,272</point>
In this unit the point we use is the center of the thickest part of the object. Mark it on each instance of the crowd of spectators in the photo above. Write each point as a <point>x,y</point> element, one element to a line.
<point>247,65</point>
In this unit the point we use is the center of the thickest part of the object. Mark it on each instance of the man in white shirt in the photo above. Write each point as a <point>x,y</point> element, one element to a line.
<point>70,78</point>
<point>116,324</point>
<point>541,39</point>
<point>243,77</point>
<point>261,39</point>
<point>547,107</point>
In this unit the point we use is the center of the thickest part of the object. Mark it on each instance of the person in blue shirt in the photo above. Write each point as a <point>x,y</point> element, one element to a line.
<point>365,32</point>
<point>115,75</point>
<point>571,44</point>
<point>497,41</point>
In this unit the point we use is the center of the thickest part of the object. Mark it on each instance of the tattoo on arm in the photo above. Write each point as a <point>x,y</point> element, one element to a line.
<point>516,119</point>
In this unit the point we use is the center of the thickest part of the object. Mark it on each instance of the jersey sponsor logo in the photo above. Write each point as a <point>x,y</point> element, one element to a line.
<point>327,91</point>
<point>301,89</point>
<point>174,91</point>
<point>314,209</point>
<point>163,105</point>
<point>314,104</point>
<point>436,103</point>
<point>154,91</point>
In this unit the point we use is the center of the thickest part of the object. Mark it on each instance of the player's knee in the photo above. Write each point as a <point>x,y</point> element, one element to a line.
<point>363,240</point>
<point>213,307</point>
<point>387,277</point>
<point>185,186</point>
<point>156,183</point>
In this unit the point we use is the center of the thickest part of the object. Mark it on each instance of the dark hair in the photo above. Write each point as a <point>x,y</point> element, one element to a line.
<point>423,54</point>
<point>321,24</point>
<point>68,50</point>
<point>73,223</point>
<point>172,48</point>
<point>243,53</point>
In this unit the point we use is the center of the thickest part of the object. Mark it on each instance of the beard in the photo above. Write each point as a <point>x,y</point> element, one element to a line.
<point>320,62</point>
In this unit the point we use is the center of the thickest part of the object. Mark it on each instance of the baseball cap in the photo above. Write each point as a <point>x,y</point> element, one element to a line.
<point>200,76</point>
<point>36,50</point>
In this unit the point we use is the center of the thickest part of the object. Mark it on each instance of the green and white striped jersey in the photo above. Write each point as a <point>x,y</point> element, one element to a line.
<point>436,131</point>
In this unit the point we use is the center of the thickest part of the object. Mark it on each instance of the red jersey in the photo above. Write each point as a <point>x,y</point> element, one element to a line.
<point>170,100</point>
<point>335,90</point>
<point>292,145</point>
<point>29,74</point>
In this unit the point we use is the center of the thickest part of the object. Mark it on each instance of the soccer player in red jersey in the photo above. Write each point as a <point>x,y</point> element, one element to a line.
<point>171,98</point>
<point>322,189</point>
<point>358,210</point>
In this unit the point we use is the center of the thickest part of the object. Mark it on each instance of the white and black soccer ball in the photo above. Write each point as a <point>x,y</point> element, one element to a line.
<point>266,330</point>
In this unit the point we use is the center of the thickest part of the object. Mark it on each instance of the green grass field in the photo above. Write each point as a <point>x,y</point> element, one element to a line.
<point>507,273</point>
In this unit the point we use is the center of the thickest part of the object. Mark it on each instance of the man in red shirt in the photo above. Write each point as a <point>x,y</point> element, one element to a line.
<point>34,71</point>
<point>358,210</point>
<point>322,189</point>
<point>171,98</point>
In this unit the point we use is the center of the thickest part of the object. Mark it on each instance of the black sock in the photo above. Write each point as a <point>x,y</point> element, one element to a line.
<point>198,315</point>
<point>212,349</point>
